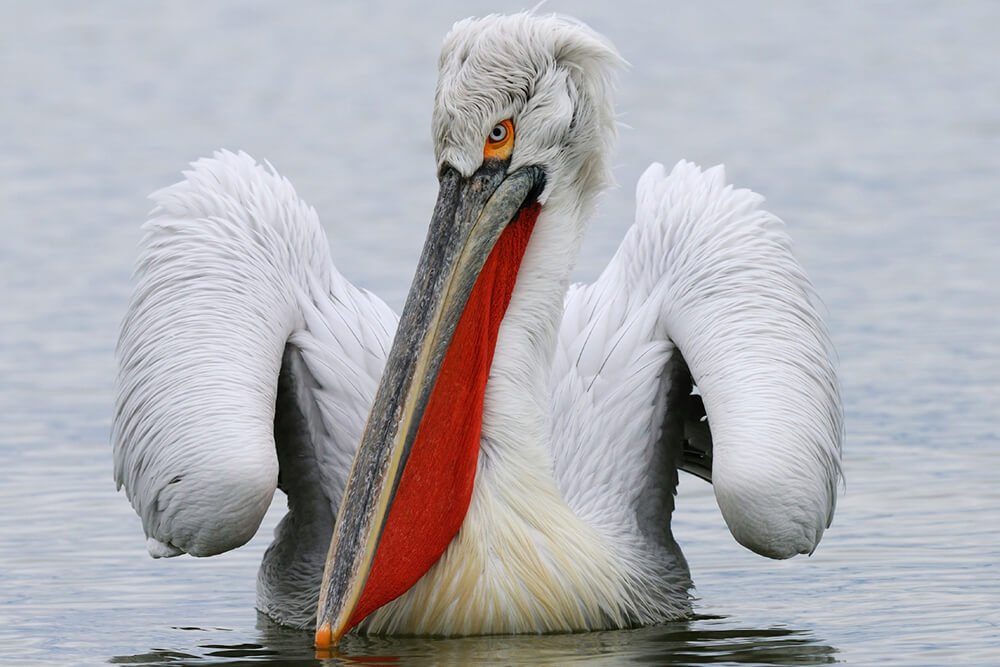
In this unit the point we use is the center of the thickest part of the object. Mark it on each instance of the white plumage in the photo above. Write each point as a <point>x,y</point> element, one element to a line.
<point>706,271</point>
<point>247,362</point>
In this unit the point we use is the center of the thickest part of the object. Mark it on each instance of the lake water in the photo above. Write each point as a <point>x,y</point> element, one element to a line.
<point>873,129</point>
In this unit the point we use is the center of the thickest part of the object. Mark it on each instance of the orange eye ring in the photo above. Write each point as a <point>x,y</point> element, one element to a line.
<point>500,142</point>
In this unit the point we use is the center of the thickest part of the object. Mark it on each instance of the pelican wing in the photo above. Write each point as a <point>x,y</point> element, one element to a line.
<point>702,311</point>
<point>236,296</point>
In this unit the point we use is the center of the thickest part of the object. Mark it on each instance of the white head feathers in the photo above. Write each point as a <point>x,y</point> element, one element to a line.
<point>552,77</point>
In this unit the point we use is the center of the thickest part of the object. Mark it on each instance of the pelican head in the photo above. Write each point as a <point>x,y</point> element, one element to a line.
<point>523,124</point>
<point>551,78</point>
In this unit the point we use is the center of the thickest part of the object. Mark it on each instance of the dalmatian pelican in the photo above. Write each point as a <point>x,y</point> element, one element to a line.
<point>502,458</point>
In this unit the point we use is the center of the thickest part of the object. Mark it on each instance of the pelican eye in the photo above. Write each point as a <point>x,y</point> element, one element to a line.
<point>500,141</point>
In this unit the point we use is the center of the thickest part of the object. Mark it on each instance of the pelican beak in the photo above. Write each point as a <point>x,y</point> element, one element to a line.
<point>411,481</point>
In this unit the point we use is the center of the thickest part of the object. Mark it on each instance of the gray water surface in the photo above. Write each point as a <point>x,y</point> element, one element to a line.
<point>873,129</point>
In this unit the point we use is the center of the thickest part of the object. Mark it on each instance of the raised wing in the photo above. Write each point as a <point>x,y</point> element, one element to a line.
<point>235,295</point>
<point>703,291</point>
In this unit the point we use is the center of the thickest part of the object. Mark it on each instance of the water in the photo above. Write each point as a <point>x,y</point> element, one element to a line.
<point>873,129</point>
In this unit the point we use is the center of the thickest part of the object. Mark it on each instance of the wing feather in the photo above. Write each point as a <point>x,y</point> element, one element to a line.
<point>705,280</point>
<point>233,269</point>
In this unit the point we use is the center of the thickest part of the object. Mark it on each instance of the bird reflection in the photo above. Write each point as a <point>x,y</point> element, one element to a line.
<point>704,640</point>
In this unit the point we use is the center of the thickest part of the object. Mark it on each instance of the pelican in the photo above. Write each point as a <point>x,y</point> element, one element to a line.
<point>503,457</point>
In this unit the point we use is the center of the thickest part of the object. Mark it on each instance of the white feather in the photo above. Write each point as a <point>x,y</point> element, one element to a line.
<point>233,266</point>
<point>706,270</point>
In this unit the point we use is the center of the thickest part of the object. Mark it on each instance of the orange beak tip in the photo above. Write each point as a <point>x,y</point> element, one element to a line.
<point>324,637</point>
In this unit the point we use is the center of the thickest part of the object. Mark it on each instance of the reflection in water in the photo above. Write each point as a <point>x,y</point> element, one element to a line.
<point>701,641</point>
